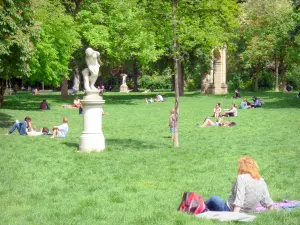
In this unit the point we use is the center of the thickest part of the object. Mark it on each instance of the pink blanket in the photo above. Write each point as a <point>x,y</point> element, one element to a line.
<point>285,204</point>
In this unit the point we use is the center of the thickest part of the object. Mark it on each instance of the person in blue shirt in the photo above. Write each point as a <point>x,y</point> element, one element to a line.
<point>256,102</point>
<point>22,127</point>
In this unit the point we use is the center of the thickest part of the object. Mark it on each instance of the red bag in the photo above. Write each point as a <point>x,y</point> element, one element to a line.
<point>192,203</point>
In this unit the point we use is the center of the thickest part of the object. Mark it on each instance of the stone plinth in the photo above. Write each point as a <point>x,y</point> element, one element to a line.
<point>124,88</point>
<point>92,138</point>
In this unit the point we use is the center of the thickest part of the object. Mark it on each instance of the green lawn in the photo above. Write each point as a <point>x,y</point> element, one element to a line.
<point>140,177</point>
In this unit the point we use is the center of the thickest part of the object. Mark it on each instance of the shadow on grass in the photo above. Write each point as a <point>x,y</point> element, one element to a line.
<point>123,144</point>
<point>27,101</point>
<point>71,144</point>
<point>129,144</point>
<point>6,120</point>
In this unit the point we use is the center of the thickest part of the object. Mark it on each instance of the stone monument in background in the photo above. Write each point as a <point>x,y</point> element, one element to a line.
<point>92,138</point>
<point>124,87</point>
<point>215,81</point>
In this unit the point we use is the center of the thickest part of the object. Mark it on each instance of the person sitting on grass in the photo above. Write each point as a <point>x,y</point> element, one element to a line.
<point>236,94</point>
<point>159,98</point>
<point>245,104</point>
<point>231,112</point>
<point>61,131</point>
<point>208,123</point>
<point>76,102</point>
<point>217,110</point>
<point>23,127</point>
<point>256,102</point>
<point>44,105</point>
<point>248,191</point>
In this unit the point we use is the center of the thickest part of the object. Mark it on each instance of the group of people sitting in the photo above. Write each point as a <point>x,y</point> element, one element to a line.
<point>159,98</point>
<point>229,112</point>
<point>232,112</point>
<point>257,102</point>
<point>25,127</point>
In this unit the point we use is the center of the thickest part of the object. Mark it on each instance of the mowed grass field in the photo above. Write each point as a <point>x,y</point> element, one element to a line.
<point>140,178</point>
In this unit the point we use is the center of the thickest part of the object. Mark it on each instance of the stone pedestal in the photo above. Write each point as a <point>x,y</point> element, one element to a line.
<point>124,88</point>
<point>92,138</point>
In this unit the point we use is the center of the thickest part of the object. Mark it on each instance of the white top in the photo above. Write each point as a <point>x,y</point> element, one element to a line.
<point>77,101</point>
<point>234,111</point>
<point>160,98</point>
<point>63,130</point>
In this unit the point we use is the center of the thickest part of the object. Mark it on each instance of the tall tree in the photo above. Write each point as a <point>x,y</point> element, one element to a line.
<point>19,32</point>
<point>266,27</point>
<point>118,30</point>
<point>59,39</point>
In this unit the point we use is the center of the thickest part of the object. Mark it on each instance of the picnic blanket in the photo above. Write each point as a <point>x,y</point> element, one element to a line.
<point>285,204</point>
<point>243,217</point>
<point>227,216</point>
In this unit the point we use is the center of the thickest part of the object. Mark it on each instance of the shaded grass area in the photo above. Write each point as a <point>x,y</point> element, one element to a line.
<point>140,177</point>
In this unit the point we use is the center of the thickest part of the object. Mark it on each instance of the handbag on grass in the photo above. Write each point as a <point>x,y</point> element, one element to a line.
<point>192,203</point>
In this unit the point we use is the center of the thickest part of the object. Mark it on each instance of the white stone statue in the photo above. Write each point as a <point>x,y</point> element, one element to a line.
<point>91,58</point>
<point>124,87</point>
<point>124,78</point>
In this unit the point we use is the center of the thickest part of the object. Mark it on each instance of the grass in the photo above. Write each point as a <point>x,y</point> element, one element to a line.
<point>140,177</point>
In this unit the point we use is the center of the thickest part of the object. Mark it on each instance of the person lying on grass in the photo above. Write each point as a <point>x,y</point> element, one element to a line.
<point>208,123</point>
<point>61,131</point>
<point>43,131</point>
<point>231,112</point>
<point>248,191</point>
<point>23,127</point>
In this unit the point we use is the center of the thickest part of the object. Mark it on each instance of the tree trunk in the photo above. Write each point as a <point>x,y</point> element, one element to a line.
<point>135,77</point>
<point>64,87</point>
<point>181,79</point>
<point>276,73</point>
<point>283,69</point>
<point>173,83</point>
<point>43,86</point>
<point>2,90</point>
<point>176,69</point>
<point>256,71</point>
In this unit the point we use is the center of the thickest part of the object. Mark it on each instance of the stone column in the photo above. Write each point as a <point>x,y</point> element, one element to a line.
<point>92,138</point>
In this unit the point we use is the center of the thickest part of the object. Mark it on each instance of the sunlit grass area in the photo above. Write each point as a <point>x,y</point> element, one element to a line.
<point>140,177</point>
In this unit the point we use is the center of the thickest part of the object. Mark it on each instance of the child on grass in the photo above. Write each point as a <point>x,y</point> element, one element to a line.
<point>172,123</point>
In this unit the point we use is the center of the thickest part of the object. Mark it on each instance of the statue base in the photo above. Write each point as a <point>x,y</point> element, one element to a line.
<point>92,138</point>
<point>124,88</point>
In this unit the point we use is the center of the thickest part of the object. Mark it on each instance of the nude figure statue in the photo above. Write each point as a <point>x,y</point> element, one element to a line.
<point>91,58</point>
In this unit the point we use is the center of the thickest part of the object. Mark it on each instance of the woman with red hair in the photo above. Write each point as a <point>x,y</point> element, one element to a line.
<point>248,191</point>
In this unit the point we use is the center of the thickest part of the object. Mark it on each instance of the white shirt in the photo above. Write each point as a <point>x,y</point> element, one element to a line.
<point>63,130</point>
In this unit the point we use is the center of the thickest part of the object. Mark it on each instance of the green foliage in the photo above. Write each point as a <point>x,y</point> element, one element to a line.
<point>140,178</point>
<point>19,33</point>
<point>155,82</point>
<point>118,30</point>
<point>192,84</point>
<point>59,39</point>
<point>293,76</point>
<point>266,28</point>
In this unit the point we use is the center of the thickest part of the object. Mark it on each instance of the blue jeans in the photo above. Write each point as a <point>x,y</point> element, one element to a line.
<point>215,203</point>
<point>21,126</point>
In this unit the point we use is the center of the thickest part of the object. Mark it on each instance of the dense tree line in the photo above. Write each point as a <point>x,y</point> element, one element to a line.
<point>43,40</point>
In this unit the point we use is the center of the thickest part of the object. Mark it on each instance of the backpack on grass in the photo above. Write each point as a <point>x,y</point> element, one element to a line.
<point>192,203</point>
